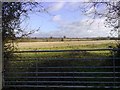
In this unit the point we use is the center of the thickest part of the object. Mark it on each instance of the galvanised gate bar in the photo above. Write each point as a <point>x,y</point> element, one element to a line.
<point>86,68</point>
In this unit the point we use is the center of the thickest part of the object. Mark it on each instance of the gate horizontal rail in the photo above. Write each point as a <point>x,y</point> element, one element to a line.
<point>95,49</point>
<point>60,72</point>
<point>60,86</point>
<point>61,77</point>
<point>101,75</point>
<point>73,82</point>
<point>93,67</point>
<point>63,59</point>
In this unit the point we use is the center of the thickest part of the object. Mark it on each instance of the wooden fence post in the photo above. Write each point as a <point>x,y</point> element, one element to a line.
<point>1,61</point>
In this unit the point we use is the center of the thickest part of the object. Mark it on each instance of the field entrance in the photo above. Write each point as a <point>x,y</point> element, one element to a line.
<point>62,65</point>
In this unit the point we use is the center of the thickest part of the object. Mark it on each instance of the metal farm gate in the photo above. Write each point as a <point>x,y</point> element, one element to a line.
<point>88,68</point>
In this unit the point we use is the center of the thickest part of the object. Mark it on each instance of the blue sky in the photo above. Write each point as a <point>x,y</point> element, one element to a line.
<point>66,19</point>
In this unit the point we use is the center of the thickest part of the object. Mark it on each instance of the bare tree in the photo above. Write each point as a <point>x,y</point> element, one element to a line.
<point>11,20</point>
<point>111,13</point>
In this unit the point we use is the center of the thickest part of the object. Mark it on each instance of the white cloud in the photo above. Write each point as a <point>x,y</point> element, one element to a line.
<point>57,18</point>
<point>89,31</point>
<point>73,5</point>
<point>83,29</point>
<point>79,29</point>
<point>56,6</point>
<point>73,0</point>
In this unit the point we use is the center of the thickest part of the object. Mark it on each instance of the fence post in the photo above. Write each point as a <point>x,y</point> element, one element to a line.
<point>1,61</point>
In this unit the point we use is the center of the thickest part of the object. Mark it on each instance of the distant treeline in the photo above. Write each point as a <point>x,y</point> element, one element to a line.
<point>52,39</point>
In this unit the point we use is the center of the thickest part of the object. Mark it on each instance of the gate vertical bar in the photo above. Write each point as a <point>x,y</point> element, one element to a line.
<point>1,58</point>
<point>114,66</point>
<point>36,54</point>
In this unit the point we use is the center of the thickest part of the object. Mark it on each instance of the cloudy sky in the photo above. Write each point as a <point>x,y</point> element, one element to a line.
<point>66,19</point>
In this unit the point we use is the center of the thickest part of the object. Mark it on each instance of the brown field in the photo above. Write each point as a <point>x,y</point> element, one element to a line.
<point>64,44</point>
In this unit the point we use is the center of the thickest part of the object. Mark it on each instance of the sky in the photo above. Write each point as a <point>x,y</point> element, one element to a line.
<point>66,19</point>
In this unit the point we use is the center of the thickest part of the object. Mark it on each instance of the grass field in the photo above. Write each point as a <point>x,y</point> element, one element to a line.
<point>27,62</point>
<point>65,45</point>
<point>62,45</point>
